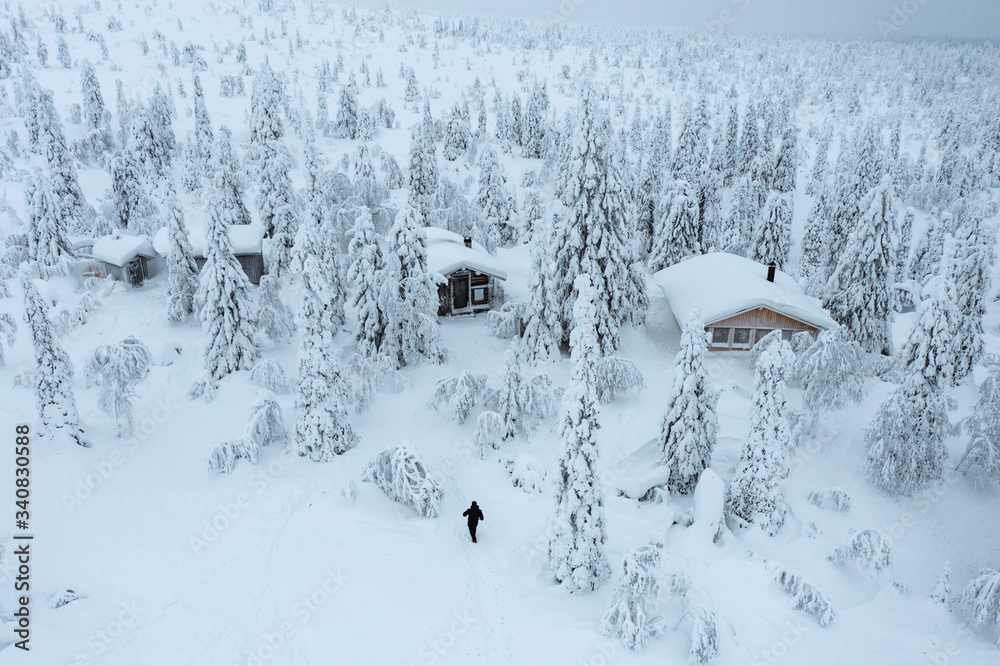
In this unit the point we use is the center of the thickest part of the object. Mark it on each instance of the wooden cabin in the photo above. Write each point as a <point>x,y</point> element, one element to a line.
<point>466,274</point>
<point>131,259</point>
<point>246,239</point>
<point>739,300</point>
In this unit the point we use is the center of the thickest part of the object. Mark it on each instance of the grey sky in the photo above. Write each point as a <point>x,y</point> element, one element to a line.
<point>961,19</point>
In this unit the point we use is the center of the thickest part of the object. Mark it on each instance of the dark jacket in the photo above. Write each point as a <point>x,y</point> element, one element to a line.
<point>474,513</point>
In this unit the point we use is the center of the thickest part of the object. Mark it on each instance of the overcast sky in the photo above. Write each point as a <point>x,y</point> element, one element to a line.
<point>961,19</point>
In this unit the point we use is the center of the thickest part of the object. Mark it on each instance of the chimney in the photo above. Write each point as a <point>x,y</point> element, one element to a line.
<point>770,272</point>
<point>468,241</point>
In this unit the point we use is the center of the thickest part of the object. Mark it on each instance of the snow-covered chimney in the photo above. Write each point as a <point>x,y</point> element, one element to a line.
<point>468,241</point>
<point>770,272</point>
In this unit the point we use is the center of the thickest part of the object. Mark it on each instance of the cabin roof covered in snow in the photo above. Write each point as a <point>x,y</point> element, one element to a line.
<point>722,285</point>
<point>446,253</point>
<point>119,249</point>
<point>245,238</point>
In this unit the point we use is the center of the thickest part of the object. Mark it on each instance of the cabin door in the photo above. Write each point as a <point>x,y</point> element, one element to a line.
<point>134,272</point>
<point>460,292</point>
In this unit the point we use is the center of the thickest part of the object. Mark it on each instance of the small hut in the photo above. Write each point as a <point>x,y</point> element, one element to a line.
<point>465,273</point>
<point>246,239</point>
<point>739,300</point>
<point>130,259</point>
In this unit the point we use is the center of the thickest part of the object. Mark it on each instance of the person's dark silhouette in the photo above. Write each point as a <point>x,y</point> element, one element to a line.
<point>475,514</point>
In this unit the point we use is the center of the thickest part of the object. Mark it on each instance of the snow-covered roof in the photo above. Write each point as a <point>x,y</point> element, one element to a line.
<point>119,249</point>
<point>446,253</point>
<point>722,285</point>
<point>245,238</point>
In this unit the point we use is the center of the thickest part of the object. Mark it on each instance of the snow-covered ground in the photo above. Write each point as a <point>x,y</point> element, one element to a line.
<point>274,563</point>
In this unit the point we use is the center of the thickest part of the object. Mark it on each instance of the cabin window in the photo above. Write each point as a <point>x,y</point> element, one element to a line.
<point>741,336</point>
<point>480,295</point>
<point>760,333</point>
<point>720,336</point>
<point>787,334</point>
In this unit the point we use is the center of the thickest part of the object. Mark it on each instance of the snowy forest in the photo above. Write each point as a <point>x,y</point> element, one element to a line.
<point>229,241</point>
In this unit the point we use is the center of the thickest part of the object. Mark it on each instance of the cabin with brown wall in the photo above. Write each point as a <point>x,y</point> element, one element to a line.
<point>742,330</point>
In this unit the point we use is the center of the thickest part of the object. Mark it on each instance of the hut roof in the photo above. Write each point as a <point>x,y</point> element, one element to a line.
<point>722,285</point>
<point>245,238</point>
<point>119,249</point>
<point>446,253</point>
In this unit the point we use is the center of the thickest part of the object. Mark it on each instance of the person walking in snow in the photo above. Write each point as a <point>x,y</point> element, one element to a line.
<point>475,514</point>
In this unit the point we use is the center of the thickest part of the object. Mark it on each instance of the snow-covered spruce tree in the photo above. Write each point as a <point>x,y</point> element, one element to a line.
<point>786,163</point>
<point>905,440</point>
<point>322,430</point>
<point>456,137</point>
<point>860,294</point>
<point>423,176</point>
<point>690,424</point>
<point>266,125</point>
<point>744,211</point>
<point>400,472</point>
<point>749,143</point>
<point>494,201</point>
<point>117,369</point>
<point>46,237</point>
<point>815,244</point>
<point>588,239</point>
<point>832,373</point>
<point>62,167</point>
<point>346,124</point>
<point>755,495</point>
<point>278,205</point>
<point>693,142</point>
<point>540,340</point>
<point>576,545</point>
<point>930,350</point>
<point>223,302</point>
<point>366,269</point>
<point>817,177</point>
<point>983,428</point>
<point>183,270</point>
<point>969,272</point>
<point>676,233</point>
<point>771,240</point>
<point>204,137</point>
<point>509,399</point>
<point>534,130</point>
<point>274,319</point>
<point>629,617</point>
<point>982,598</point>
<point>228,181</point>
<point>53,372</point>
<point>317,241</point>
<point>99,137</point>
<point>408,295</point>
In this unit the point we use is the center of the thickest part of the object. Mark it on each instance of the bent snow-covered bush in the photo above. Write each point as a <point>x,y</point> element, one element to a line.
<point>265,426</point>
<point>982,596</point>
<point>805,596</point>
<point>867,549</point>
<point>403,476</point>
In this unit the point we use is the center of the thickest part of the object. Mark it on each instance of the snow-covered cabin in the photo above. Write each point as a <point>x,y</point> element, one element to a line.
<point>131,259</point>
<point>464,271</point>
<point>246,239</point>
<point>739,300</point>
